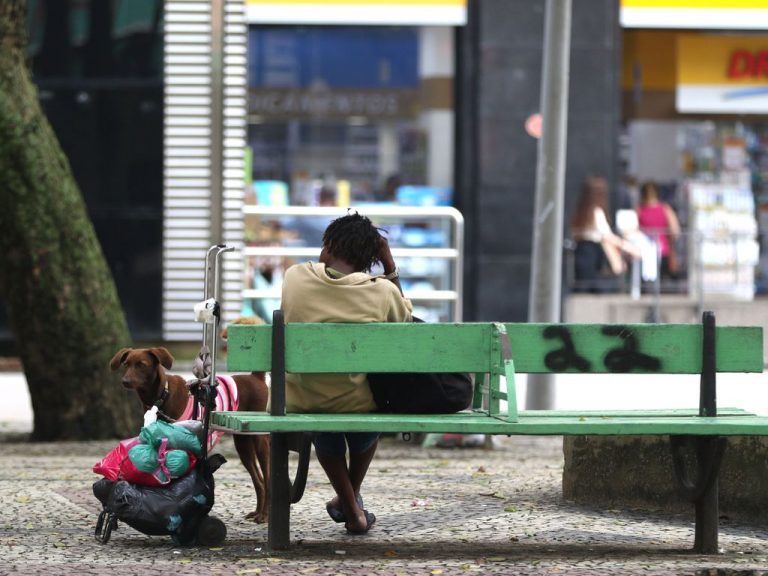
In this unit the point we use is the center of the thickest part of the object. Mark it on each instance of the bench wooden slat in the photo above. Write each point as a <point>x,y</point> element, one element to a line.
<point>536,348</point>
<point>651,412</point>
<point>478,423</point>
<point>388,347</point>
<point>379,348</point>
<point>677,347</point>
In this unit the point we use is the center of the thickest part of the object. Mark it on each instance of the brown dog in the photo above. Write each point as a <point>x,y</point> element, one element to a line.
<point>145,373</point>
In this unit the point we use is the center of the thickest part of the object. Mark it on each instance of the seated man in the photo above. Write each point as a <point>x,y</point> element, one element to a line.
<point>339,288</point>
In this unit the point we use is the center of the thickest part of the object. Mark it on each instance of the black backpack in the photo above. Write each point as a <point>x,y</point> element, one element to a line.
<point>421,393</point>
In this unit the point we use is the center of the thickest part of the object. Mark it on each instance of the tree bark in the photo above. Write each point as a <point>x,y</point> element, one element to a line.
<point>64,310</point>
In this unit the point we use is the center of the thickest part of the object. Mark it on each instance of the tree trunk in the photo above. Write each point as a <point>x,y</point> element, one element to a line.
<point>64,310</point>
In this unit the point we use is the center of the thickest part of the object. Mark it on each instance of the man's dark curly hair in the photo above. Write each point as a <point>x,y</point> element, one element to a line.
<point>355,239</point>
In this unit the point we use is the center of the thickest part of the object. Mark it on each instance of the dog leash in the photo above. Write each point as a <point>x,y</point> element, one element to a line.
<point>160,401</point>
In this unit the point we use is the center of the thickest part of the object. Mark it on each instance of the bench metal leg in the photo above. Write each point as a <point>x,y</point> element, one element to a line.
<point>279,531</point>
<point>707,513</point>
<point>300,442</point>
<point>703,489</point>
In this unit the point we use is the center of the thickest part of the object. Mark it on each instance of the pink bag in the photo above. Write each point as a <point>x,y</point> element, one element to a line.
<point>117,465</point>
<point>110,465</point>
<point>160,476</point>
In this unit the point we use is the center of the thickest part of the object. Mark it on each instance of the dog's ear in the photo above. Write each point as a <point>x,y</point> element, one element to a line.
<point>119,358</point>
<point>163,356</point>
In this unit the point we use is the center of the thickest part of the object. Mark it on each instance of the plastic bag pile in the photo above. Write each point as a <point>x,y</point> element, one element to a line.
<point>160,453</point>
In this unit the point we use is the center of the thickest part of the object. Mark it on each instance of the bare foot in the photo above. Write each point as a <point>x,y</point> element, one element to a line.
<point>334,509</point>
<point>360,523</point>
<point>258,517</point>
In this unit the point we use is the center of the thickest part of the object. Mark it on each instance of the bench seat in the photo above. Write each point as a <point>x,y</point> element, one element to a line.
<point>726,423</point>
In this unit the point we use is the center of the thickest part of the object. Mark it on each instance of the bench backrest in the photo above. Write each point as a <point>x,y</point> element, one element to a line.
<point>470,347</point>
<point>492,350</point>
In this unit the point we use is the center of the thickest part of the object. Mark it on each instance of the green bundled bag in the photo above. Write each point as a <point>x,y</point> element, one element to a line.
<point>177,462</point>
<point>144,458</point>
<point>178,437</point>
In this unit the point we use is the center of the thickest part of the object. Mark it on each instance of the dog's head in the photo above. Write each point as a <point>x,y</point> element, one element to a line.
<point>143,368</point>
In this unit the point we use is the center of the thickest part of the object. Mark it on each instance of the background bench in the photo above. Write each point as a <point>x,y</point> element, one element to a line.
<point>492,351</point>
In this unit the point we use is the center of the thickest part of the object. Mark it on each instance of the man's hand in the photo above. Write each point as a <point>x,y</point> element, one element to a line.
<point>385,255</point>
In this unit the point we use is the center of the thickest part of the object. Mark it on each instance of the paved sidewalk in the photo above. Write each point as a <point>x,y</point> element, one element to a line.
<point>461,511</point>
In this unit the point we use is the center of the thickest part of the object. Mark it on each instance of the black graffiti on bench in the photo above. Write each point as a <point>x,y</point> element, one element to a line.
<point>566,357</point>
<point>627,358</point>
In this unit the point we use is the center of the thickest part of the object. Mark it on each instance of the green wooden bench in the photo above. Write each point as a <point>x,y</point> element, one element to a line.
<point>492,351</point>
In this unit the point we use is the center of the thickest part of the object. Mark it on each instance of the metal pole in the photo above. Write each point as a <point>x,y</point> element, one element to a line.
<point>217,119</point>
<point>546,270</point>
<point>656,314</point>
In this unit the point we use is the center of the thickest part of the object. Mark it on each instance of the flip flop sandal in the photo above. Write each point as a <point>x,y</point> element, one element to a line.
<point>370,520</point>
<point>337,514</point>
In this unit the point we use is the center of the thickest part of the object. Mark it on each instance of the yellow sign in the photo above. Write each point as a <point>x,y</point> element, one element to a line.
<point>695,4</point>
<point>699,14</point>
<point>363,12</point>
<point>724,74</point>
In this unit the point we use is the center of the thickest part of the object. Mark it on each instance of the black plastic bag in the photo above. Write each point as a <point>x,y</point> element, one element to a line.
<point>176,509</point>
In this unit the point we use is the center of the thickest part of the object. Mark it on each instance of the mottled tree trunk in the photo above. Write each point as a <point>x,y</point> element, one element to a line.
<point>63,306</point>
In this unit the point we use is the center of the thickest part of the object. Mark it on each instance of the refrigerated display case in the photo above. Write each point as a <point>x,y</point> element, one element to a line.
<point>426,242</point>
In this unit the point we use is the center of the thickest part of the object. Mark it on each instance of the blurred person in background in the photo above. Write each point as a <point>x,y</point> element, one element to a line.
<point>389,192</point>
<point>658,221</point>
<point>599,255</point>
<point>310,229</point>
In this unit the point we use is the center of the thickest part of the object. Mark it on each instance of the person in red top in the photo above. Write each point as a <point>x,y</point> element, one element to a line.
<point>658,220</point>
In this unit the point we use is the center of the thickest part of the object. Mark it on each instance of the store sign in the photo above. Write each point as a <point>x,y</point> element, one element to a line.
<point>697,14</point>
<point>722,74</point>
<point>294,104</point>
<point>746,64</point>
<point>364,12</point>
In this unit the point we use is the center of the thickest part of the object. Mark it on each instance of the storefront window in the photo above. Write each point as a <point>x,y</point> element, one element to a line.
<point>693,104</point>
<point>98,67</point>
<point>353,108</point>
<point>344,116</point>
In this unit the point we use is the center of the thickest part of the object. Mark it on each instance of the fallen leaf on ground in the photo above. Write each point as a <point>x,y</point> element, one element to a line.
<point>498,495</point>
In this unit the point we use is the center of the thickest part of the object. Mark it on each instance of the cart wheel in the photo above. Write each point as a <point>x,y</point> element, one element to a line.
<point>211,531</point>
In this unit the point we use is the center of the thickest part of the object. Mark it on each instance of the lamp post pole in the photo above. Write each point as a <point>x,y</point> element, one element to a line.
<point>546,261</point>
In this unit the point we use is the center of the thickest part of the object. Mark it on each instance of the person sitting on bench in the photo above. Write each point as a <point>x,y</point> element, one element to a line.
<point>340,288</point>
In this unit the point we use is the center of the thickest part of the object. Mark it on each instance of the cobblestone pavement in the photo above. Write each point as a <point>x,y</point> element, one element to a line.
<point>460,511</point>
